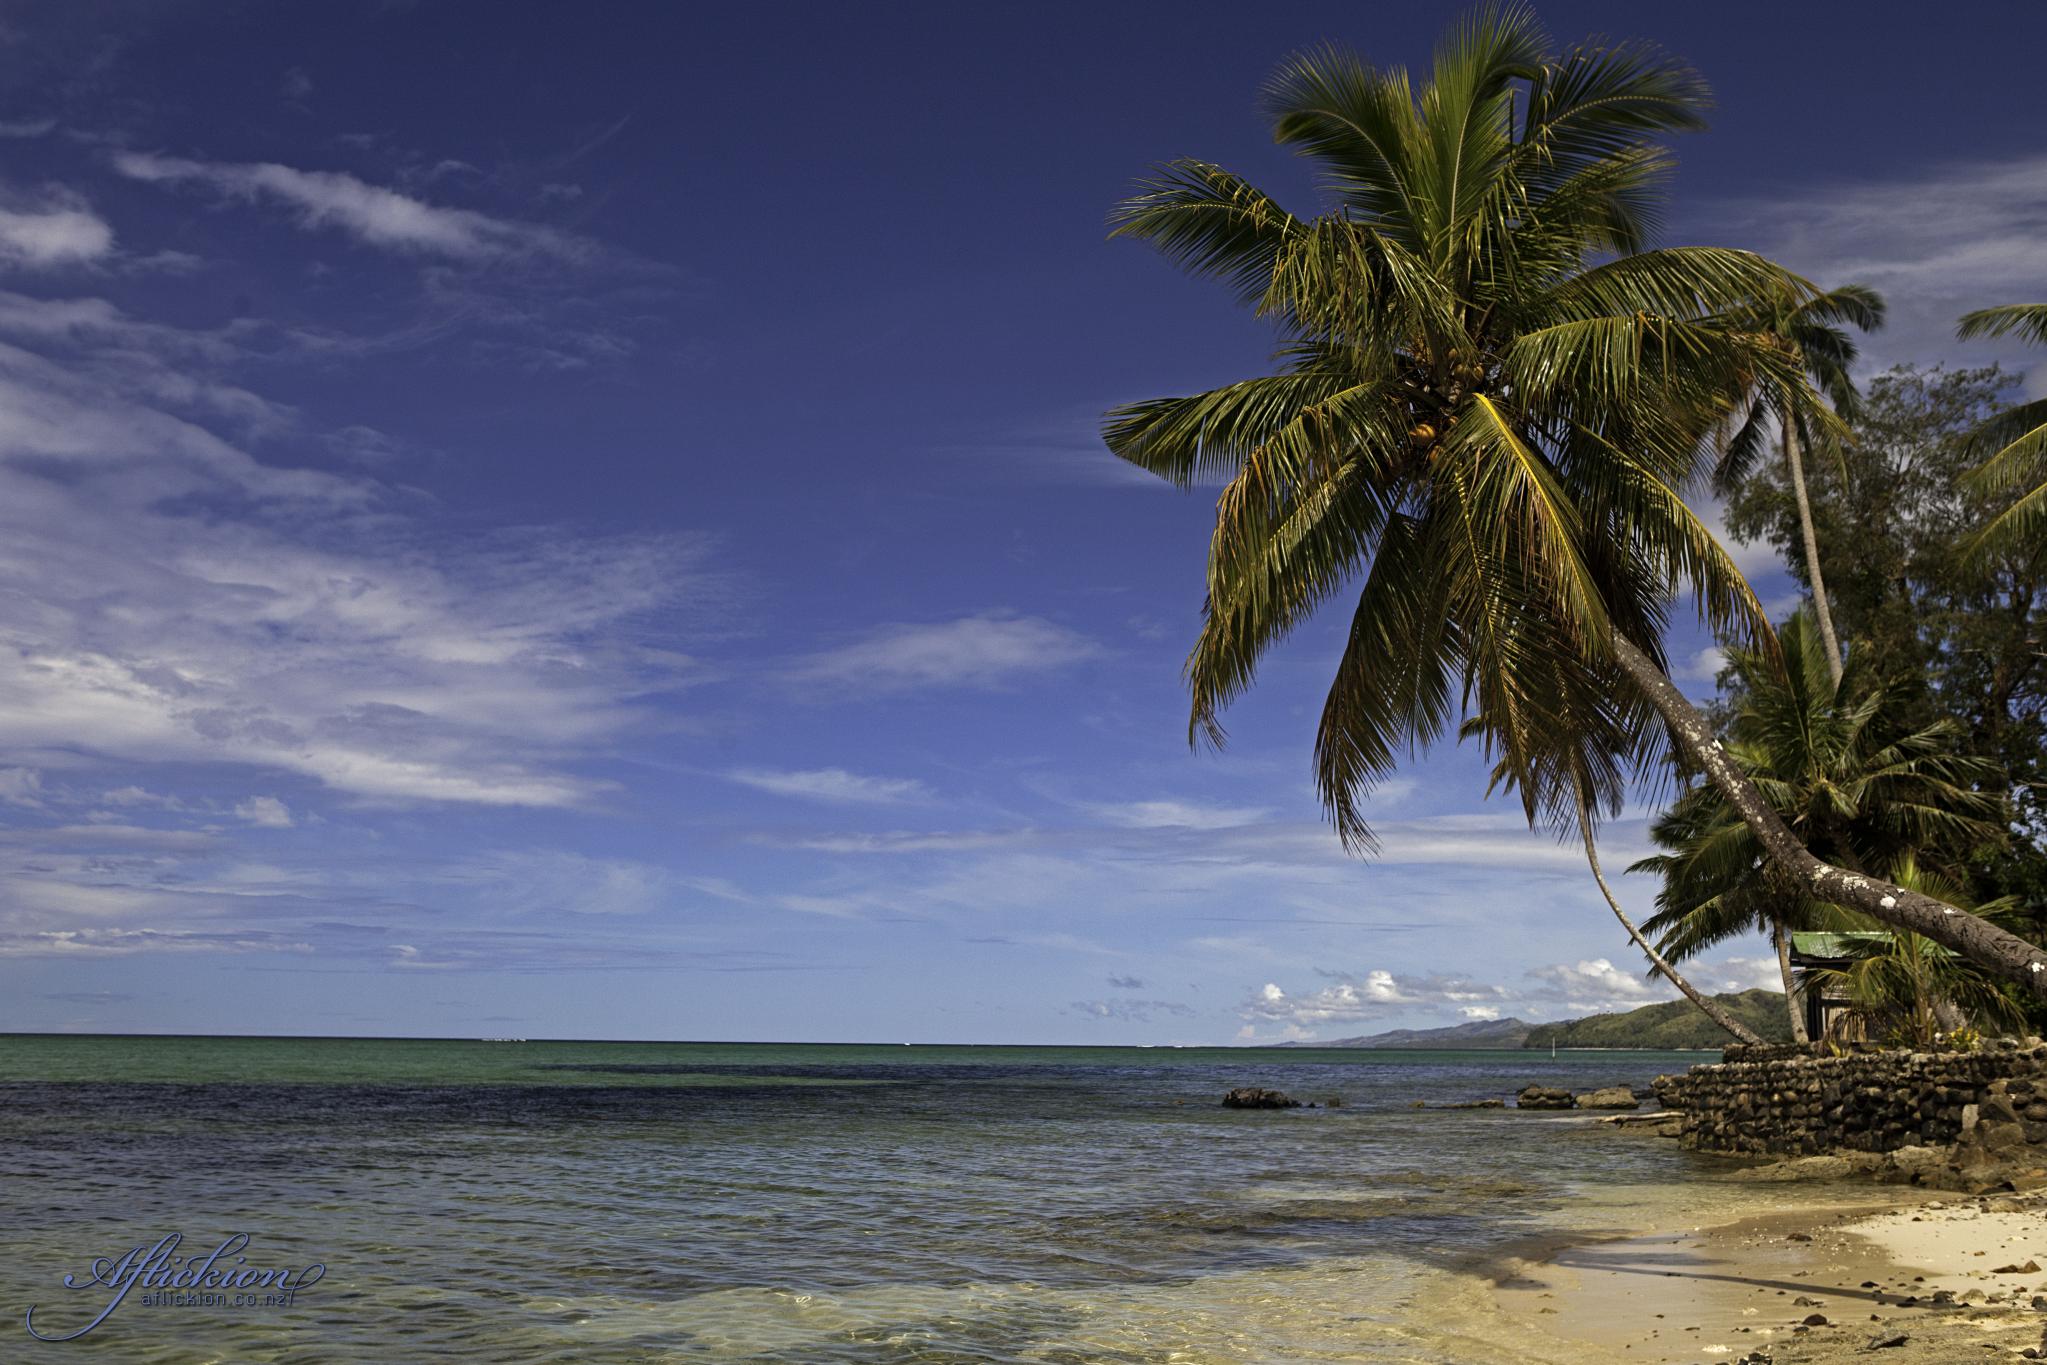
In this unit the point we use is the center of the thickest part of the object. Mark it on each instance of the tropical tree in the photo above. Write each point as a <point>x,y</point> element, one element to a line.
<point>2020,463</point>
<point>1492,392</point>
<point>1815,330</point>
<point>1948,633</point>
<point>1847,770</point>
<point>1904,987</point>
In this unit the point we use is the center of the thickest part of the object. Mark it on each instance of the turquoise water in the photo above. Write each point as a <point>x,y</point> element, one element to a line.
<point>563,1201</point>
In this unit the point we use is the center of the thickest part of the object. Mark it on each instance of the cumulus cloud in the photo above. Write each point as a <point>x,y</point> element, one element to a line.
<point>371,214</point>
<point>972,651</point>
<point>1701,667</point>
<point>834,785</point>
<point>1594,985</point>
<point>1742,974</point>
<point>1587,986</point>
<point>1376,993</point>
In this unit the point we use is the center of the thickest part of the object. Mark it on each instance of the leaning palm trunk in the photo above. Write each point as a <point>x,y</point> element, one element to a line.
<point>2003,954</point>
<point>1796,465</point>
<point>1780,941</point>
<point>1714,1010</point>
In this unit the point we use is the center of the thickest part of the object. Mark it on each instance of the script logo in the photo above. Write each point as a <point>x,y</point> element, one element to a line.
<point>223,1278</point>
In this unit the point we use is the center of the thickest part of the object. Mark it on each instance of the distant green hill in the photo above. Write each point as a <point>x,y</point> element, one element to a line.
<point>1675,1024</point>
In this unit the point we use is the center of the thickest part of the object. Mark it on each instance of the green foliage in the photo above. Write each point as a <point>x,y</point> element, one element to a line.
<point>2016,472</point>
<point>1851,771</point>
<point>1815,330</point>
<point>1907,990</point>
<point>1492,394</point>
<point>1675,1024</point>
<point>1950,635</point>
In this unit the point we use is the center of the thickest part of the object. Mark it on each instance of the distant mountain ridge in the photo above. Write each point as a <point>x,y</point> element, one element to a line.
<point>1477,1033</point>
<point>1674,1024</point>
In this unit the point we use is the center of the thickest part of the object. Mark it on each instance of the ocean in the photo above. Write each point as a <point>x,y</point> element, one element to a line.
<point>645,1202</point>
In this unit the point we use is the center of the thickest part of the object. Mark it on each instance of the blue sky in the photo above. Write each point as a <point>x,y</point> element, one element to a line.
<point>521,519</point>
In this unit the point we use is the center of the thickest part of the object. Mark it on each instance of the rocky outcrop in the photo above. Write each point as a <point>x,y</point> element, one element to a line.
<point>1609,1097</point>
<point>1255,1097</point>
<point>1545,1097</point>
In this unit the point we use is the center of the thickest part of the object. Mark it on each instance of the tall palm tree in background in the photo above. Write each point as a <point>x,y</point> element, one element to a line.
<point>1492,393</point>
<point>1857,784</point>
<point>1815,330</point>
<point>2020,464</point>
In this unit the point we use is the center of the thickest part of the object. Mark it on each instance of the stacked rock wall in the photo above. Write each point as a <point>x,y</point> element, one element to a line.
<point>1793,1100</point>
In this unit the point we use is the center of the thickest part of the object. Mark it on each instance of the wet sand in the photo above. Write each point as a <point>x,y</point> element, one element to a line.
<point>1823,1283</point>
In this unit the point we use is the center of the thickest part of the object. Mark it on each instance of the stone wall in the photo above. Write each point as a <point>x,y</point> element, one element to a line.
<point>1793,1100</point>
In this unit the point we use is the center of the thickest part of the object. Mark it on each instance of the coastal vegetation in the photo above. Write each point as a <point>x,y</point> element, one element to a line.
<point>1848,769</point>
<point>1495,395</point>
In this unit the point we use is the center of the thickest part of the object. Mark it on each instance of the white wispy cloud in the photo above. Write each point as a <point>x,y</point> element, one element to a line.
<point>1130,1011</point>
<point>545,882</point>
<point>834,785</point>
<point>55,229</point>
<point>166,596</point>
<point>21,786</point>
<point>266,812</point>
<point>971,651</point>
<point>371,214</point>
<point>1177,815</point>
<point>1937,240</point>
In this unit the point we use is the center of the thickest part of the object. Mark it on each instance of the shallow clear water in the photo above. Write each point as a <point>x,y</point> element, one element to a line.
<point>763,1202</point>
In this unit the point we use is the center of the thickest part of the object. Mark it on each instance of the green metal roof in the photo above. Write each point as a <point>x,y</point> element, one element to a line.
<point>1845,944</point>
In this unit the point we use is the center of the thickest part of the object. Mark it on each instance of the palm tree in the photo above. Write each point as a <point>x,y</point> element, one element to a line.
<point>1492,393</point>
<point>1855,782</point>
<point>1905,987</point>
<point>2020,464</point>
<point>1712,1008</point>
<point>1564,766</point>
<point>1814,331</point>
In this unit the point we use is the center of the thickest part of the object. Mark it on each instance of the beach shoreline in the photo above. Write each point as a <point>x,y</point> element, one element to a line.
<point>1877,1272</point>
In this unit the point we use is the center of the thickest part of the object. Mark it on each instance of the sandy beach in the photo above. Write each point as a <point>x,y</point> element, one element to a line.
<point>1867,1275</point>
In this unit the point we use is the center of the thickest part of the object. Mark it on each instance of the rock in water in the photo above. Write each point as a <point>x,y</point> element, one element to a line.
<point>1254,1097</point>
<point>1609,1097</point>
<point>1545,1097</point>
